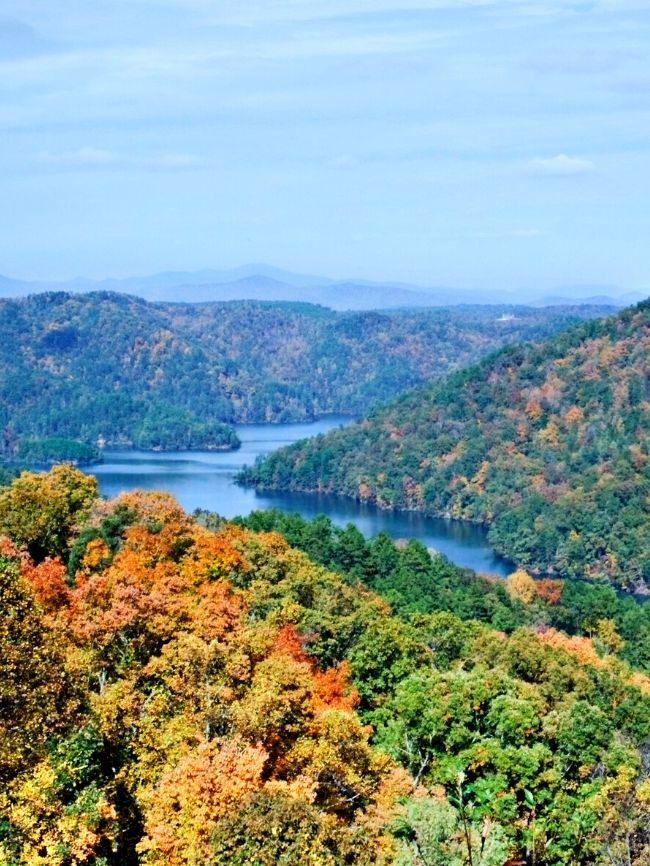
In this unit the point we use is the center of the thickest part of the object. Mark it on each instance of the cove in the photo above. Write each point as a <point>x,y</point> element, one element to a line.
<point>205,479</point>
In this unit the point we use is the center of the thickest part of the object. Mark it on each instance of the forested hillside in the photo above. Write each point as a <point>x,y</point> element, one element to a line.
<point>173,693</point>
<point>548,443</point>
<point>78,368</point>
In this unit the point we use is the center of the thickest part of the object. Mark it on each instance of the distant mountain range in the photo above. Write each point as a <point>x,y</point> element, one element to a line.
<point>260,282</point>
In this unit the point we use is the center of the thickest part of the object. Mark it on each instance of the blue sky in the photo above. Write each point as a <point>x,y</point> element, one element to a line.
<point>470,143</point>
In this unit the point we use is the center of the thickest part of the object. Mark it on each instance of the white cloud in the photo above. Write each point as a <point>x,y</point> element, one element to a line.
<point>335,44</point>
<point>178,161</point>
<point>346,160</point>
<point>526,233</point>
<point>255,12</point>
<point>559,166</point>
<point>95,158</point>
<point>576,61</point>
<point>82,157</point>
<point>495,234</point>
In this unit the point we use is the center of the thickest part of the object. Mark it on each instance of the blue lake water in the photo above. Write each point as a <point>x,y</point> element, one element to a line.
<point>205,479</point>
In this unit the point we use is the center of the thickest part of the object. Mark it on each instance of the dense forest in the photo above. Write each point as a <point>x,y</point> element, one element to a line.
<point>548,444</point>
<point>76,370</point>
<point>413,582</point>
<point>185,691</point>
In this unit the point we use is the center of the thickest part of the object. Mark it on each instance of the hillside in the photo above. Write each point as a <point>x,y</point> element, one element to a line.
<point>549,444</point>
<point>172,693</point>
<point>79,368</point>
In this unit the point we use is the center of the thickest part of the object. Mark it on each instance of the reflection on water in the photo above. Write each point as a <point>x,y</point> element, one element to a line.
<point>205,479</point>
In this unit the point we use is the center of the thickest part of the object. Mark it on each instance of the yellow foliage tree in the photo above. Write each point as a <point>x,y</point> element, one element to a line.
<point>521,586</point>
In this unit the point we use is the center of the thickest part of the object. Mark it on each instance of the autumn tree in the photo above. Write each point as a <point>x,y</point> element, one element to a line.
<point>40,510</point>
<point>37,697</point>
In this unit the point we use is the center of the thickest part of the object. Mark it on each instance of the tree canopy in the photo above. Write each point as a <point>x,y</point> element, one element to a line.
<point>102,367</point>
<point>213,696</point>
<point>548,444</point>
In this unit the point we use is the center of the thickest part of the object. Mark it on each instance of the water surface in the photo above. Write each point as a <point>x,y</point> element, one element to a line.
<point>205,479</point>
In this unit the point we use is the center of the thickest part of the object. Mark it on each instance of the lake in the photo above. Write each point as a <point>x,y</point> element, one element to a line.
<point>205,479</point>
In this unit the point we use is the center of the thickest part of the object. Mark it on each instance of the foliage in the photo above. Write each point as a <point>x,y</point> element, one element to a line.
<point>36,691</point>
<point>433,832</point>
<point>276,830</point>
<point>548,444</point>
<point>416,582</point>
<point>213,696</point>
<point>40,511</point>
<point>109,368</point>
<point>56,449</point>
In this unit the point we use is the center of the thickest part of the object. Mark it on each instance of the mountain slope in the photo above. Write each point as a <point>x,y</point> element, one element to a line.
<point>172,375</point>
<point>89,367</point>
<point>176,694</point>
<point>549,444</point>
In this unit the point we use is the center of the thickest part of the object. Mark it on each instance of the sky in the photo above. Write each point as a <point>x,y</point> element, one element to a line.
<point>474,143</point>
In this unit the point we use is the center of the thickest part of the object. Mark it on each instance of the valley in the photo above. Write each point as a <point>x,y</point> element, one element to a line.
<point>324,433</point>
<point>206,481</point>
<point>546,444</point>
<point>326,648</point>
<point>79,372</point>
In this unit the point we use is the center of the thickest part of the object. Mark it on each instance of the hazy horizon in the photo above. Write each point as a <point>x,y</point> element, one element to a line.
<point>262,282</point>
<point>490,144</point>
<point>266,269</point>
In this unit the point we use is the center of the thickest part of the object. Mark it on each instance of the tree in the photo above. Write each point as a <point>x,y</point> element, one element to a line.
<point>273,829</point>
<point>521,586</point>
<point>181,811</point>
<point>435,833</point>
<point>40,511</point>
<point>37,697</point>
